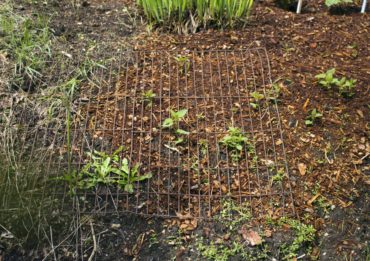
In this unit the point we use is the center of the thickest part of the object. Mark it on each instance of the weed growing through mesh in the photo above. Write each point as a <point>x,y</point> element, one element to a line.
<point>235,141</point>
<point>148,97</point>
<point>183,62</point>
<point>106,169</point>
<point>257,97</point>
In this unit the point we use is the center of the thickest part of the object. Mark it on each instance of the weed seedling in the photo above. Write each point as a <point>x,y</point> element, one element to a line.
<point>127,176</point>
<point>304,234</point>
<point>233,216</point>
<point>346,87</point>
<point>313,116</point>
<point>274,92</point>
<point>183,62</point>
<point>234,141</point>
<point>327,79</point>
<point>279,176</point>
<point>257,97</point>
<point>148,97</point>
<point>174,119</point>
<point>107,170</point>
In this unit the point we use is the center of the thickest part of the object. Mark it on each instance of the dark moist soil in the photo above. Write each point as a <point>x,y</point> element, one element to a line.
<point>299,47</point>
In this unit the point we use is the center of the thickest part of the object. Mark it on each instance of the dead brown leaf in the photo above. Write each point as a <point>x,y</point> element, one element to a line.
<point>184,216</point>
<point>302,168</point>
<point>251,236</point>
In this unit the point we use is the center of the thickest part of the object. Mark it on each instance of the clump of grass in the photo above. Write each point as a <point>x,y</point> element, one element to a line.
<point>28,42</point>
<point>196,12</point>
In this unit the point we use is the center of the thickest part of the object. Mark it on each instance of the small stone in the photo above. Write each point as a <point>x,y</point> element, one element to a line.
<point>115,226</point>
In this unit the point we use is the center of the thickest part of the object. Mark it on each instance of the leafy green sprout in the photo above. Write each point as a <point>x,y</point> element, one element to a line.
<point>234,141</point>
<point>313,116</point>
<point>203,144</point>
<point>107,170</point>
<point>257,97</point>
<point>274,93</point>
<point>175,118</point>
<point>346,87</point>
<point>327,79</point>
<point>183,62</point>
<point>279,176</point>
<point>148,97</point>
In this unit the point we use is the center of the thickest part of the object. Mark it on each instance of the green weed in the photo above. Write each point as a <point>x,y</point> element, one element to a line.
<point>257,97</point>
<point>235,141</point>
<point>28,43</point>
<point>327,79</point>
<point>218,252</point>
<point>107,170</point>
<point>175,118</point>
<point>304,235</point>
<point>184,63</point>
<point>345,86</point>
<point>148,97</point>
<point>313,116</point>
<point>233,215</point>
<point>279,176</point>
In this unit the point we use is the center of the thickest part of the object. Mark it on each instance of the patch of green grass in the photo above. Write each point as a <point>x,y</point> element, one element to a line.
<point>330,3</point>
<point>196,13</point>
<point>27,40</point>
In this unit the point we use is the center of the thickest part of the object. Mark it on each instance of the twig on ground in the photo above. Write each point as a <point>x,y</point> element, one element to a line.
<point>94,240</point>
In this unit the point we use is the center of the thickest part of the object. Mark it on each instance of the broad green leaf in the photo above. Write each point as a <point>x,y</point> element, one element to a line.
<point>129,188</point>
<point>168,123</point>
<point>182,132</point>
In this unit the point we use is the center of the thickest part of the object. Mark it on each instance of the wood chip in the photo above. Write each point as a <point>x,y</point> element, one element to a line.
<point>302,168</point>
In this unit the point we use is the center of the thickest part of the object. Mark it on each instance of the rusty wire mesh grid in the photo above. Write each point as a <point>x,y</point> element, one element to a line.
<point>193,177</point>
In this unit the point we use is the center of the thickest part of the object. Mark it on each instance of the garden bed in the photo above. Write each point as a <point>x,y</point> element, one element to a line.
<point>192,172</point>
